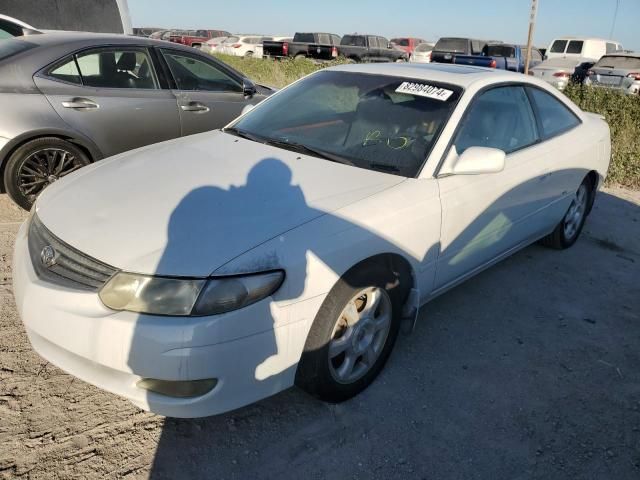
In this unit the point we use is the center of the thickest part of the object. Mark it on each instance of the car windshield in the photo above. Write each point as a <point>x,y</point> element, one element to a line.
<point>454,45</point>
<point>618,62</point>
<point>383,123</point>
<point>501,51</point>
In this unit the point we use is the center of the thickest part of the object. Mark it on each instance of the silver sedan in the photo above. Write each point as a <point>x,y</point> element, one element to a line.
<point>69,99</point>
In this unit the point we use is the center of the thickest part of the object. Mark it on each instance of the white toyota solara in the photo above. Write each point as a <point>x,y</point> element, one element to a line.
<point>205,273</point>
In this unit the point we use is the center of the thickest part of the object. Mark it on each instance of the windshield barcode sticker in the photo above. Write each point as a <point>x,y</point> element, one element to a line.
<point>424,90</point>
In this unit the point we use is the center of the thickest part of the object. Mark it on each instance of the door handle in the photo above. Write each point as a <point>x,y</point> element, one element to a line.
<point>195,107</point>
<point>80,103</point>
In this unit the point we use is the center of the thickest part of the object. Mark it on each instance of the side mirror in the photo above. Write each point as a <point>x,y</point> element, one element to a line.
<point>477,160</point>
<point>248,88</point>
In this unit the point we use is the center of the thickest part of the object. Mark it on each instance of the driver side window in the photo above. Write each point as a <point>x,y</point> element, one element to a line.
<point>498,118</point>
<point>191,73</point>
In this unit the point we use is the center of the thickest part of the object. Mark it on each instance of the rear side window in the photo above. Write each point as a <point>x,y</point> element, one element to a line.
<point>611,47</point>
<point>304,38</point>
<point>558,46</point>
<point>575,46</point>
<point>67,71</point>
<point>536,55</point>
<point>355,40</point>
<point>554,116</point>
<point>335,39</point>
<point>116,68</point>
<point>498,118</point>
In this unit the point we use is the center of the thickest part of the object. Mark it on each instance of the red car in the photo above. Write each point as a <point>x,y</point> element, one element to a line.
<point>407,43</point>
<point>196,38</point>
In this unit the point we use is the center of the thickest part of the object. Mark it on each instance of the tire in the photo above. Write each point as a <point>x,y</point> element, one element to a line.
<point>568,230</point>
<point>320,366</point>
<point>300,56</point>
<point>34,165</point>
<point>248,55</point>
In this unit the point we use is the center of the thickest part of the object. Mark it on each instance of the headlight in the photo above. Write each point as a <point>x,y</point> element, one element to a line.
<point>184,296</point>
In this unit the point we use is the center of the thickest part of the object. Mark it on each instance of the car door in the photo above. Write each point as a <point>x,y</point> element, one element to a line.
<point>209,95</point>
<point>373,52</point>
<point>113,96</point>
<point>562,148</point>
<point>485,216</point>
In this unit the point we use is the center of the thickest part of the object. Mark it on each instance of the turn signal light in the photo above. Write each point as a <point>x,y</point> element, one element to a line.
<point>562,74</point>
<point>285,49</point>
<point>634,75</point>
<point>334,52</point>
<point>493,64</point>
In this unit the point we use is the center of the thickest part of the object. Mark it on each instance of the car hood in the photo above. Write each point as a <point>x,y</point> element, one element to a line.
<point>188,206</point>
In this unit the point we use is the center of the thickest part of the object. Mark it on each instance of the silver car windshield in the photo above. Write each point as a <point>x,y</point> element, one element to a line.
<point>376,122</point>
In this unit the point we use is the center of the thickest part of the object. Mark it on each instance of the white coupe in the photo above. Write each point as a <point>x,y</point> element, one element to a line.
<point>201,274</point>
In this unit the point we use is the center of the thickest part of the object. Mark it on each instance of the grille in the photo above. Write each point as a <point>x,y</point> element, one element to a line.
<point>70,268</point>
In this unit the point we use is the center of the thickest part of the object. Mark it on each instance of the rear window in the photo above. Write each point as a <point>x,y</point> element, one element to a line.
<point>575,46</point>
<point>424,47</point>
<point>304,37</point>
<point>356,40</point>
<point>403,42</point>
<point>11,47</point>
<point>453,45</point>
<point>618,62</point>
<point>558,46</point>
<point>501,51</point>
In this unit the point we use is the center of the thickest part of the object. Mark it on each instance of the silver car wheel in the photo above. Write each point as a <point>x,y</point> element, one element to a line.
<point>360,334</point>
<point>575,214</point>
<point>44,167</point>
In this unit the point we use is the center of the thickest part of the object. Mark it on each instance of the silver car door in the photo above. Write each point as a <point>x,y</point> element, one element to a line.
<point>209,96</point>
<point>112,95</point>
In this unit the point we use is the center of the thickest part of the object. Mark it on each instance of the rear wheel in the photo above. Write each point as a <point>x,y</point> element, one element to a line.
<point>37,164</point>
<point>300,56</point>
<point>248,54</point>
<point>568,230</point>
<point>352,335</point>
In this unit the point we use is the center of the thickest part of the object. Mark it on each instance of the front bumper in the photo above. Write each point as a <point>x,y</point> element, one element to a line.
<point>252,352</point>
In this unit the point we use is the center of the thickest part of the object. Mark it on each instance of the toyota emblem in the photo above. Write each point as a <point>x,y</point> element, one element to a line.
<point>48,256</point>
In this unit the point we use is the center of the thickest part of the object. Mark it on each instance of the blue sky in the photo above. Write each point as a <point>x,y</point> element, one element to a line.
<point>497,20</point>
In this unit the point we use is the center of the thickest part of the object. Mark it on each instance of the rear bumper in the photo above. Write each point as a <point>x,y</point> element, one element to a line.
<point>252,352</point>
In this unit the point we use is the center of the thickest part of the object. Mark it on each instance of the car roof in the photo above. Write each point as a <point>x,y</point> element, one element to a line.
<point>79,38</point>
<point>461,75</point>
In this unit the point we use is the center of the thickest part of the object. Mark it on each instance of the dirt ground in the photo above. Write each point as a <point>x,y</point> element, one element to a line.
<point>529,370</point>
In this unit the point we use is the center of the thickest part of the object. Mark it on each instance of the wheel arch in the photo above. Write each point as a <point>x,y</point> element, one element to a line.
<point>87,146</point>
<point>392,262</point>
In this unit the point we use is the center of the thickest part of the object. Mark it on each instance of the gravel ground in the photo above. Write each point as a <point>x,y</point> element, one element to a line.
<point>529,370</point>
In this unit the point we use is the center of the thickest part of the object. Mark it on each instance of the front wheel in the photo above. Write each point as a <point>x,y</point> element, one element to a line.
<point>568,230</point>
<point>352,335</point>
<point>37,164</point>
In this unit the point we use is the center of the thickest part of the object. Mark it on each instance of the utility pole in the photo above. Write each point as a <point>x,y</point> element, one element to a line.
<point>532,25</point>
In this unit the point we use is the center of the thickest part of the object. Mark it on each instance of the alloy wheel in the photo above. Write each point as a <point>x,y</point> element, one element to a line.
<point>575,214</point>
<point>360,334</point>
<point>43,167</point>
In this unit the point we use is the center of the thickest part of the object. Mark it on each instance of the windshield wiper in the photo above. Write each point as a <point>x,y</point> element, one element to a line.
<point>244,134</point>
<point>300,148</point>
<point>382,166</point>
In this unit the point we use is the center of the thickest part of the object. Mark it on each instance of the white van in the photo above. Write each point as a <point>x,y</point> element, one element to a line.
<point>588,48</point>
